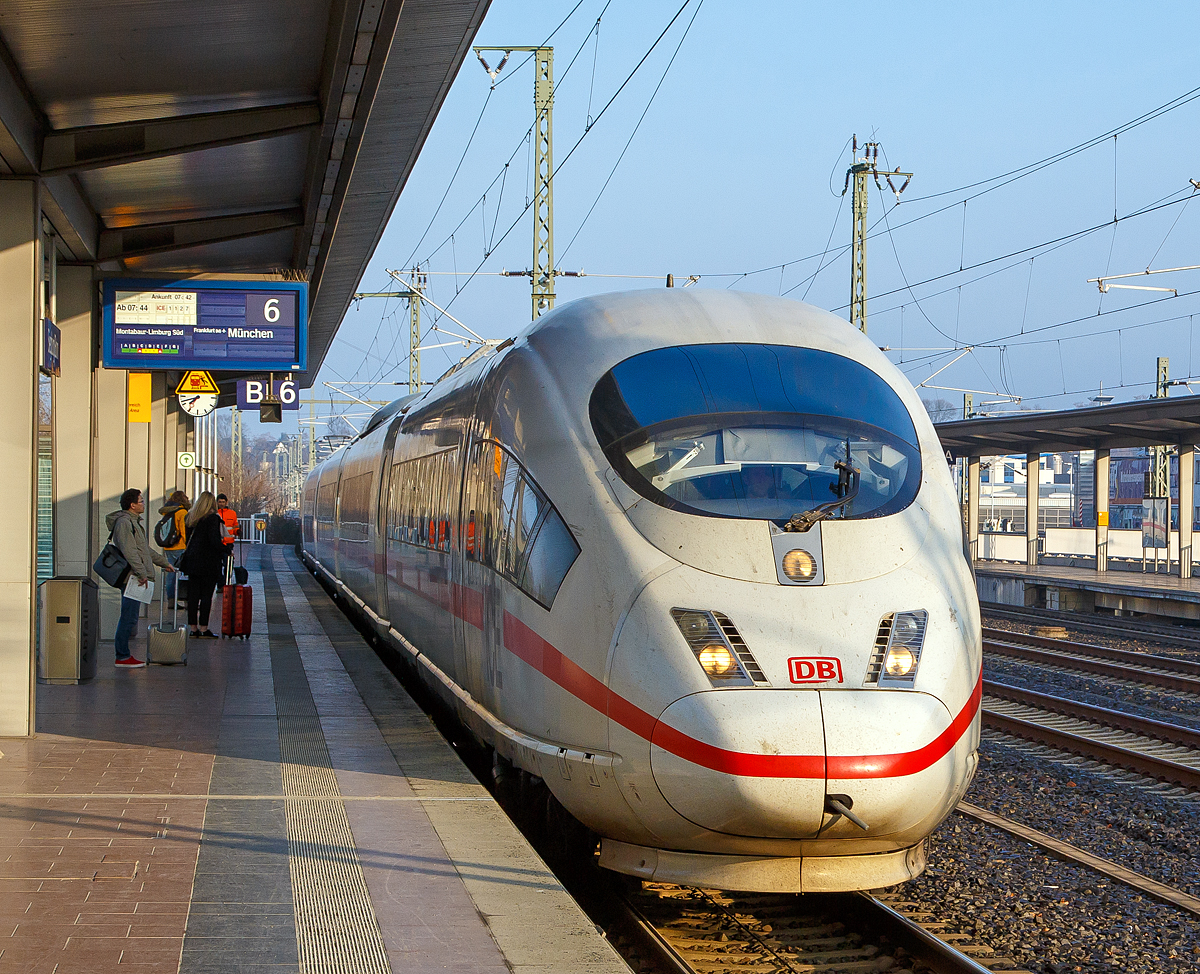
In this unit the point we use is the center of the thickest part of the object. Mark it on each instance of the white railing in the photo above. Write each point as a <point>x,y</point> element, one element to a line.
<point>1079,542</point>
<point>253,529</point>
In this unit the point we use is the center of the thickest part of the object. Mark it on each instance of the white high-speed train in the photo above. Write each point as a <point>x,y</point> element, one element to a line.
<point>694,559</point>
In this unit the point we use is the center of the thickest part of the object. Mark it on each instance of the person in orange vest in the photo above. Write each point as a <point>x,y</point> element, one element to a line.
<point>229,516</point>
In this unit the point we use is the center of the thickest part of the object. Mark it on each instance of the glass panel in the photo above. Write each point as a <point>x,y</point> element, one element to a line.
<point>553,553</point>
<point>756,431</point>
<point>506,559</point>
<point>45,506</point>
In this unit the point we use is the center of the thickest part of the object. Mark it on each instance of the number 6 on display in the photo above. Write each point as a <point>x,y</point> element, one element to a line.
<point>271,310</point>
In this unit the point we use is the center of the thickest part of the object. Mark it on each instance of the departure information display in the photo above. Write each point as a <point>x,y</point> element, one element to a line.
<point>222,325</point>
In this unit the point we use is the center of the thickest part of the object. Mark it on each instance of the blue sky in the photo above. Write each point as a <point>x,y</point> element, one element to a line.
<point>739,163</point>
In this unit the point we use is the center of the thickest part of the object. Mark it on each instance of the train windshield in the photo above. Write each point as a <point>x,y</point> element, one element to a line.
<point>756,431</point>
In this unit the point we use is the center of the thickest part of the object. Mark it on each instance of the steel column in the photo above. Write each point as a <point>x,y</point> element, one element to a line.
<point>1101,488</point>
<point>1032,494</point>
<point>1187,479</point>
<point>973,508</point>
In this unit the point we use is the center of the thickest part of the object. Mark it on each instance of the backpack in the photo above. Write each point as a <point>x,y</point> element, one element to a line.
<point>166,534</point>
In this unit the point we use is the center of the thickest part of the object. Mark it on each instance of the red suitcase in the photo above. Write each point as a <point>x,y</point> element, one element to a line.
<point>237,610</point>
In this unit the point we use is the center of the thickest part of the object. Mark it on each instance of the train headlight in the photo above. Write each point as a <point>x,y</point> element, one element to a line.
<point>903,654</point>
<point>799,565</point>
<point>899,662</point>
<point>695,625</point>
<point>717,660</point>
<point>719,648</point>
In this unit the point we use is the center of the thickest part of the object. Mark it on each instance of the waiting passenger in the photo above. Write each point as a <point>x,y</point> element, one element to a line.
<point>204,561</point>
<point>129,536</point>
<point>176,509</point>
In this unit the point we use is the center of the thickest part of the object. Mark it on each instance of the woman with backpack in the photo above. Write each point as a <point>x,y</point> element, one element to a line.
<point>170,533</point>
<point>203,560</point>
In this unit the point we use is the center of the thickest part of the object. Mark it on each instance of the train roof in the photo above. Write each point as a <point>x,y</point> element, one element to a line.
<point>582,339</point>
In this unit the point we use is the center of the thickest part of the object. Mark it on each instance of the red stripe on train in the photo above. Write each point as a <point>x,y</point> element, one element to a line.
<point>527,645</point>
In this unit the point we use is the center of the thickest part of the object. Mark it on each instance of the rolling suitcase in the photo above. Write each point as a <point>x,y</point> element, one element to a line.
<point>236,574</point>
<point>167,644</point>
<point>237,608</point>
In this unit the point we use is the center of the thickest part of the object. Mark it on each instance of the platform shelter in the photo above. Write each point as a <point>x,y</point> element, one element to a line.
<point>265,142</point>
<point>1154,422</point>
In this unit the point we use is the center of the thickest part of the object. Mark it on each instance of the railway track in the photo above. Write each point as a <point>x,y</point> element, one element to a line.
<point>683,930</point>
<point>1073,854</point>
<point>1121,629</point>
<point>1153,748</point>
<point>1161,671</point>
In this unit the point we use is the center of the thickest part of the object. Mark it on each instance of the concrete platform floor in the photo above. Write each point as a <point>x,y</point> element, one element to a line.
<point>278,804</point>
<point>1145,584</point>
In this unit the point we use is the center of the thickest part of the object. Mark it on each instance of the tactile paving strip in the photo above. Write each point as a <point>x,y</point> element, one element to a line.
<point>336,927</point>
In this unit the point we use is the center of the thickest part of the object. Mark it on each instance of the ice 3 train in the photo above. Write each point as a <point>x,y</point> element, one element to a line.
<point>694,559</point>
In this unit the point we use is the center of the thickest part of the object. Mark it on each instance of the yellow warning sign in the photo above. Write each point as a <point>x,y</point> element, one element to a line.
<point>197,381</point>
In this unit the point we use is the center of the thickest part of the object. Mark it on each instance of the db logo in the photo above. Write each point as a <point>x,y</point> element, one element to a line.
<point>815,669</point>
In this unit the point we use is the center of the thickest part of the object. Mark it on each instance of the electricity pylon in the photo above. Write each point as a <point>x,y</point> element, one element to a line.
<point>543,272</point>
<point>866,165</point>
<point>418,282</point>
<point>235,450</point>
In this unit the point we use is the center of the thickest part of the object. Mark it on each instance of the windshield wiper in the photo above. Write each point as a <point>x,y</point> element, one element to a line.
<point>846,489</point>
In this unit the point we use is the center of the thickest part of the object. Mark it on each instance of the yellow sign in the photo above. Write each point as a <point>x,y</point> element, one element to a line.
<point>1102,519</point>
<point>140,396</point>
<point>197,381</point>
<point>260,525</point>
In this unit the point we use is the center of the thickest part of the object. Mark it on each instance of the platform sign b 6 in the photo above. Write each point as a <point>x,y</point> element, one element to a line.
<point>252,392</point>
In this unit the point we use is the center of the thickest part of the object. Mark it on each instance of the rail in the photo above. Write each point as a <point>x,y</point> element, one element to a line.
<point>1155,729</point>
<point>1119,628</point>
<point>691,931</point>
<point>1157,671</point>
<point>1073,854</point>
<point>1141,762</point>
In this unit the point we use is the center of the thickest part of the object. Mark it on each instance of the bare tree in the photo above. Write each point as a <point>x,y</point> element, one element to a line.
<point>941,410</point>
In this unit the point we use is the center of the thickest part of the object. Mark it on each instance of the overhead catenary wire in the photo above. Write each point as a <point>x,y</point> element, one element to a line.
<point>571,152</point>
<point>629,141</point>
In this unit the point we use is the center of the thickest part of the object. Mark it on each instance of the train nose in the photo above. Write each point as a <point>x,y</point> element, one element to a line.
<point>770,763</point>
<point>744,762</point>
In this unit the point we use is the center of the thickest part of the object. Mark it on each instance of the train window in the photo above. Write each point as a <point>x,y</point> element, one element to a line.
<point>326,499</point>
<point>756,431</point>
<point>550,558</point>
<point>326,507</point>
<point>422,496</point>
<point>512,527</point>
<point>355,507</point>
<point>308,506</point>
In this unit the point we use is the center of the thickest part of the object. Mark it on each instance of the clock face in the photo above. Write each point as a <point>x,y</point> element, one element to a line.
<point>198,403</point>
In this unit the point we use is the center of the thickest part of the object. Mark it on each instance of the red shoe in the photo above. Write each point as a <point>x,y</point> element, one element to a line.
<point>130,663</point>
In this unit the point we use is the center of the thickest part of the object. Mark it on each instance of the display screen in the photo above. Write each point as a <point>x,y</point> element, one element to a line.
<point>222,325</point>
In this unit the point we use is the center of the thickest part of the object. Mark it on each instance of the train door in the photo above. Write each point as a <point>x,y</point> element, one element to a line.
<point>385,517</point>
<point>474,583</point>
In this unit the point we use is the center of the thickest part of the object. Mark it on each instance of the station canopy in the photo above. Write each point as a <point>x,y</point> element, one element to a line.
<point>199,137</point>
<point>1146,422</point>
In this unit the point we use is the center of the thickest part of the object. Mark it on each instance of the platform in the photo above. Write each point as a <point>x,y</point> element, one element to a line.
<point>1087,590</point>
<point>278,804</point>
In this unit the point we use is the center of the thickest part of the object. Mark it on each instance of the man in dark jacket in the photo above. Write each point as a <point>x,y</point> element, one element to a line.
<point>129,535</point>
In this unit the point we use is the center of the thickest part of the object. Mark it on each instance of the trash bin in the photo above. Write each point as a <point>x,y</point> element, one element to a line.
<point>68,629</point>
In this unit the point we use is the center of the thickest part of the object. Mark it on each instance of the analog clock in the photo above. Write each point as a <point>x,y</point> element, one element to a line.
<point>197,403</point>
